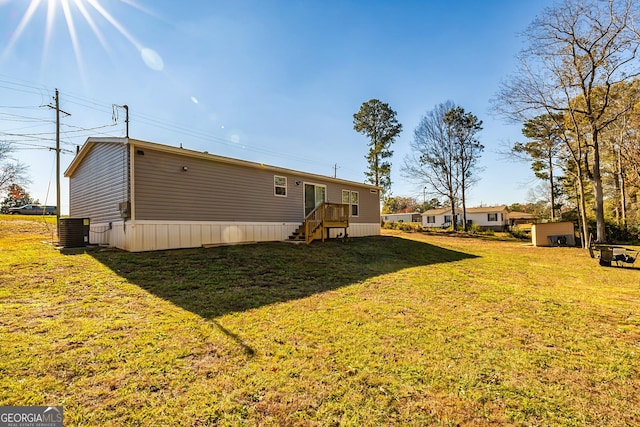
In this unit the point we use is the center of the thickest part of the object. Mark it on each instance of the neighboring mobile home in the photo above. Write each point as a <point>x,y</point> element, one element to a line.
<point>142,196</point>
<point>486,217</point>
<point>402,217</point>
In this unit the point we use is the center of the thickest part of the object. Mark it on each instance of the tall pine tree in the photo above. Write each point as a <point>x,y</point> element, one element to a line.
<point>378,122</point>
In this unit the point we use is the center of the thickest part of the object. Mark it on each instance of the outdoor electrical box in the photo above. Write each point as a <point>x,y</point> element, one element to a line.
<point>125,209</point>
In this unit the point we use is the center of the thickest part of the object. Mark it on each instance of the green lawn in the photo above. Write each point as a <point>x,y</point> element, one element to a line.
<point>400,329</point>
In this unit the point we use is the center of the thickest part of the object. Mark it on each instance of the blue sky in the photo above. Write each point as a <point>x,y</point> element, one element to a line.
<point>275,82</point>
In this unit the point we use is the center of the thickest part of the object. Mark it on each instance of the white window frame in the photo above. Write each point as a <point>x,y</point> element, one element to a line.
<point>356,203</point>
<point>492,215</point>
<point>350,201</point>
<point>431,219</point>
<point>276,185</point>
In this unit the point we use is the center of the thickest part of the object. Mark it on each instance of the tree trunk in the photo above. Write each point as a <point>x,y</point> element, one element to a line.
<point>581,232</point>
<point>377,160</point>
<point>583,212</point>
<point>623,202</point>
<point>619,209</point>
<point>582,208</point>
<point>377,172</point>
<point>601,232</point>
<point>553,197</point>
<point>464,208</point>
<point>620,189</point>
<point>453,211</point>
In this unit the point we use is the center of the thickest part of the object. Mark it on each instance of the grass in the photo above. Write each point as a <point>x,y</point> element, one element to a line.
<point>401,329</point>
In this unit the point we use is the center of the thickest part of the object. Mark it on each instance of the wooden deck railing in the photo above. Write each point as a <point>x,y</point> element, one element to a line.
<point>324,217</point>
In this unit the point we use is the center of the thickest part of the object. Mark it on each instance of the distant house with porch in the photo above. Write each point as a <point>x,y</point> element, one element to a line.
<point>439,218</point>
<point>517,218</point>
<point>486,217</point>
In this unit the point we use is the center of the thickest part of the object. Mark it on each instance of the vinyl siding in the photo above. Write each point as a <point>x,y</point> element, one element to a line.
<point>99,183</point>
<point>216,191</point>
<point>369,203</point>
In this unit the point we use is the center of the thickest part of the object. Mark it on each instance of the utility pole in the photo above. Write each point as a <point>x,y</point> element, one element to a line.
<point>126,116</point>
<point>126,119</point>
<point>58,163</point>
<point>335,170</point>
<point>58,111</point>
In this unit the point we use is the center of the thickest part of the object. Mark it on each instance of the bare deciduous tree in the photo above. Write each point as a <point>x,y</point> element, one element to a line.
<point>11,172</point>
<point>432,161</point>
<point>464,128</point>
<point>577,52</point>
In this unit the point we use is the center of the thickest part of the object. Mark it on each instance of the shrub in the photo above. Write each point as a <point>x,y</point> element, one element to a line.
<point>388,225</point>
<point>474,229</point>
<point>409,227</point>
<point>618,234</point>
<point>520,233</point>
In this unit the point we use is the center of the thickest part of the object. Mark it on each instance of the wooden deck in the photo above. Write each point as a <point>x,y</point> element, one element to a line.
<point>321,220</point>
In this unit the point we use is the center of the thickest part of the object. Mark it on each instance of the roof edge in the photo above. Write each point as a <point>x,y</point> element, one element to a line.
<point>86,148</point>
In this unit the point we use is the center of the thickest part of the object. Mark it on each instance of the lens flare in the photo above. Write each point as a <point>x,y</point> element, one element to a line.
<point>91,11</point>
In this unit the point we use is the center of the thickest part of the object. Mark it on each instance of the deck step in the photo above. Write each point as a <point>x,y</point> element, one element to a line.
<point>298,234</point>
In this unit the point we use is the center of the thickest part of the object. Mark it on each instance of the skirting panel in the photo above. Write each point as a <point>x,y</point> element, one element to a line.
<point>357,230</point>
<point>139,236</point>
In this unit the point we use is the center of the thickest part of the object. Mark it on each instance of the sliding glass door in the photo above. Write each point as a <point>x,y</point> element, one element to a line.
<point>314,196</point>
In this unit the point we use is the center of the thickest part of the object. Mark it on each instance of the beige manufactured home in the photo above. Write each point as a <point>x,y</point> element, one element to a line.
<point>143,196</point>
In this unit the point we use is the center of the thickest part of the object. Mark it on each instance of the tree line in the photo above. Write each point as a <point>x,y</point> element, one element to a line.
<point>576,93</point>
<point>445,151</point>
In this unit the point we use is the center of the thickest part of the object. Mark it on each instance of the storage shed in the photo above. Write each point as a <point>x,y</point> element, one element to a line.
<point>553,234</point>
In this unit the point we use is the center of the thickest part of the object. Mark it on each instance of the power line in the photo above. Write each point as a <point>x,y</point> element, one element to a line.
<point>20,108</point>
<point>101,107</point>
<point>26,118</point>
<point>28,137</point>
<point>21,90</point>
<point>173,127</point>
<point>25,127</point>
<point>78,129</point>
<point>22,145</point>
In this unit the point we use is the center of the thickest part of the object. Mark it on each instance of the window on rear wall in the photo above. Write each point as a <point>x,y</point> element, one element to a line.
<point>351,198</point>
<point>280,186</point>
<point>355,203</point>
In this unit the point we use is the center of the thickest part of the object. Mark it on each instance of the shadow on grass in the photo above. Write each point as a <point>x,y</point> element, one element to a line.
<point>215,281</point>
